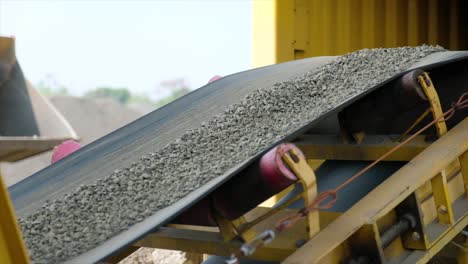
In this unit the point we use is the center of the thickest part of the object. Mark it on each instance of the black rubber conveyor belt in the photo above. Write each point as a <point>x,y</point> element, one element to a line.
<point>128,144</point>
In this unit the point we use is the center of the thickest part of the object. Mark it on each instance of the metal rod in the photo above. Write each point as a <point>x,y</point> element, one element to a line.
<point>405,223</point>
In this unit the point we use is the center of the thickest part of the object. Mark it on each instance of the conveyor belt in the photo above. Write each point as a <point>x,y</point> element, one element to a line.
<point>153,131</point>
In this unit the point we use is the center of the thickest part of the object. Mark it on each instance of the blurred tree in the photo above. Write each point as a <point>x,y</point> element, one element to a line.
<point>121,95</point>
<point>50,86</point>
<point>172,90</point>
<point>140,99</point>
<point>176,87</point>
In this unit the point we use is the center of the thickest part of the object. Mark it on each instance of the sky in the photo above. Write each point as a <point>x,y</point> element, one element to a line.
<point>134,44</point>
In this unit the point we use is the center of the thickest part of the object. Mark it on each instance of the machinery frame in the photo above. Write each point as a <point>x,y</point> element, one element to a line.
<point>432,187</point>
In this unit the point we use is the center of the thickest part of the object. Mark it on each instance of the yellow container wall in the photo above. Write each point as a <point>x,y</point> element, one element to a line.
<point>293,29</point>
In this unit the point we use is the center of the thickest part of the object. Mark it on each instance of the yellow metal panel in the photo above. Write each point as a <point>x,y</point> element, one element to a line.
<point>424,191</point>
<point>429,211</point>
<point>301,25</point>
<point>464,169</point>
<point>395,23</point>
<point>371,148</point>
<point>413,19</point>
<point>373,35</point>
<point>432,21</point>
<point>355,24</point>
<point>12,249</point>
<point>264,33</point>
<point>316,44</point>
<point>417,17</point>
<point>306,28</point>
<point>328,30</point>
<point>442,199</point>
<point>428,208</point>
<point>285,37</point>
<point>455,187</point>
<point>425,256</point>
<point>453,24</point>
<point>343,27</point>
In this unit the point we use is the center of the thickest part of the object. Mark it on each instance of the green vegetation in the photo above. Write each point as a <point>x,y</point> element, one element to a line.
<point>121,95</point>
<point>140,99</point>
<point>48,92</point>
<point>176,89</point>
<point>173,89</point>
<point>173,96</point>
<point>49,86</point>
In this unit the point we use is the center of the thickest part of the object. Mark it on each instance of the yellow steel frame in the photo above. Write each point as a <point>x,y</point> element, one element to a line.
<point>309,184</point>
<point>437,186</point>
<point>208,240</point>
<point>438,203</point>
<point>361,226</point>
<point>247,227</point>
<point>392,193</point>
<point>244,229</point>
<point>12,249</point>
<point>371,148</point>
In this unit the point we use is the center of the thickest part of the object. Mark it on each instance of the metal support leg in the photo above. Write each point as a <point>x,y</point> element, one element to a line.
<point>12,249</point>
<point>439,182</point>
<point>442,199</point>
<point>464,170</point>
<point>309,184</point>
<point>433,97</point>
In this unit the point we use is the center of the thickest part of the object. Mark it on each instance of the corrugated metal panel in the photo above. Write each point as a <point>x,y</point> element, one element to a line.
<point>306,28</point>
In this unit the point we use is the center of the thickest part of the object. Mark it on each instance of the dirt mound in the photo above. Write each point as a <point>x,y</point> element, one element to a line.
<point>91,119</point>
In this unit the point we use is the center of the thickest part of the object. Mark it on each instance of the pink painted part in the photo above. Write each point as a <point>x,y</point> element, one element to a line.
<point>64,149</point>
<point>274,171</point>
<point>214,78</point>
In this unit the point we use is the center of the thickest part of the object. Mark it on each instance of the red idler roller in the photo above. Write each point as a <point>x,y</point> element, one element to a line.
<point>408,90</point>
<point>258,182</point>
<point>200,214</point>
<point>389,110</point>
<point>66,148</point>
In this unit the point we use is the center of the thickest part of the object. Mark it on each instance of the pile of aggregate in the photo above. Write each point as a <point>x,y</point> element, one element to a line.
<point>93,213</point>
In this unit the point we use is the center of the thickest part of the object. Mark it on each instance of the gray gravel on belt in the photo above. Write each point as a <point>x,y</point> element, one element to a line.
<point>83,219</point>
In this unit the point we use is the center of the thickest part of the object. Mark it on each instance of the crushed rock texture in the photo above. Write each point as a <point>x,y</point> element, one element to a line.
<point>93,213</point>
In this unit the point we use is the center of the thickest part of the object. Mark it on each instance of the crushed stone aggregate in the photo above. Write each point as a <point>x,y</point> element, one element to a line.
<point>83,219</point>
